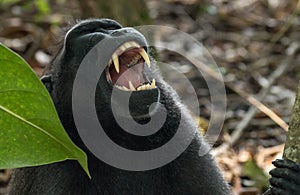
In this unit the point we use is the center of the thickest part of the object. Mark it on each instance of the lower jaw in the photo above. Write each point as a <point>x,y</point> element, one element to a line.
<point>138,103</point>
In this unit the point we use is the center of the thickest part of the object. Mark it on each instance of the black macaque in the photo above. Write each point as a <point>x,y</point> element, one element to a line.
<point>187,174</point>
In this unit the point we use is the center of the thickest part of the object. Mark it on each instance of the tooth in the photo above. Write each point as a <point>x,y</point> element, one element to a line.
<point>147,86</point>
<point>110,61</point>
<point>153,84</point>
<point>125,88</point>
<point>131,86</point>
<point>116,62</point>
<point>122,48</point>
<point>127,45</point>
<point>131,44</point>
<point>145,56</point>
<point>141,87</point>
<point>135,44</point>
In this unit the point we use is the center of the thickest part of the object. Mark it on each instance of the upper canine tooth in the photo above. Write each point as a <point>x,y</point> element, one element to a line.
<point>116,62</point>
<point>131,86</point>
<point>145,56</point>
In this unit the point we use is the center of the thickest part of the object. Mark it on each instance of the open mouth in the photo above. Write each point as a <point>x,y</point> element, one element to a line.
<point>126,66</point>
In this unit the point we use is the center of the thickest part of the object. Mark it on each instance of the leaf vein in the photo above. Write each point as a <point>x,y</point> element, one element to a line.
<point>35,126</point>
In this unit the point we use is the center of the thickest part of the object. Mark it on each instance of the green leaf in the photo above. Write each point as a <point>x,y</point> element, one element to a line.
<point>255,173</point>
<point>31,133</point>
<point>42,6</point>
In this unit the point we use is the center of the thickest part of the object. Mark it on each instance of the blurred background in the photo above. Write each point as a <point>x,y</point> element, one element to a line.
<point>255,43</point>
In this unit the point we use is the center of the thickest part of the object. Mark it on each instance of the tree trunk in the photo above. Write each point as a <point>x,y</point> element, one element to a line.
<point>292,143</point>
<point>128,13</point>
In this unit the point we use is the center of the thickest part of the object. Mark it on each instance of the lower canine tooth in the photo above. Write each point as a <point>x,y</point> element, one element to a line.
<point>131,86</point>
<point>153,84</point>
<point>145,56</point>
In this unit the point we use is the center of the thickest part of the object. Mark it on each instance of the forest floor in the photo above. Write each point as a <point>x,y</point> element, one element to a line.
<point>255,45</point>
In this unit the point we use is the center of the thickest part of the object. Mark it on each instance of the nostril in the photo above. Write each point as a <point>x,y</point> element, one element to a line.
<point>117,33</point>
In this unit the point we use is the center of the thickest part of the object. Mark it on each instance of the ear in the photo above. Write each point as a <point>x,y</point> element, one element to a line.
<point>47,80</point>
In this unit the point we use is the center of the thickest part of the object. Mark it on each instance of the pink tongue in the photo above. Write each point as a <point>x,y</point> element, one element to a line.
<point>133,74</point>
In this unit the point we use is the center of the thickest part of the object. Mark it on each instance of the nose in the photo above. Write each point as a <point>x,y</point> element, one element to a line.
<point>117,33</point>
<point>123,31</point>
